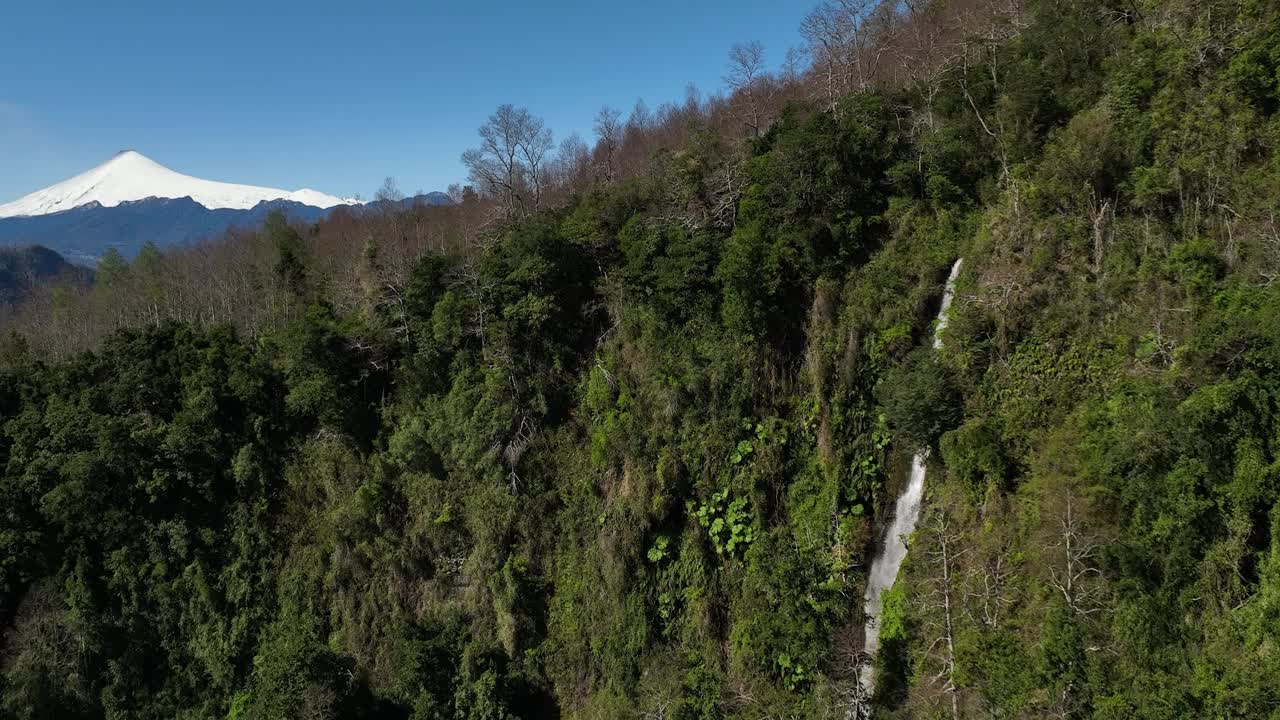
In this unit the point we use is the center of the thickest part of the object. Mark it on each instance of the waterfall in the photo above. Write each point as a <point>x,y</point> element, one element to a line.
<point>893,549</point>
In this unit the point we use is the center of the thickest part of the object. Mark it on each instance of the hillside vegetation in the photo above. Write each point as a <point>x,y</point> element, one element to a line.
<point>615,435</point>
<point>27,270</point>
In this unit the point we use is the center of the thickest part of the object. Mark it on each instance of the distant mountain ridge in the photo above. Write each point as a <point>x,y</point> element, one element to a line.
<point>130,176</point>
<point>84,233</point>
<point>131,200</point>
<point>23,268</point>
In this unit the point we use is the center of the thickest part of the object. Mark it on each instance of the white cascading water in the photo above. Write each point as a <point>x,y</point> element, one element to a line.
<point>884,566</point>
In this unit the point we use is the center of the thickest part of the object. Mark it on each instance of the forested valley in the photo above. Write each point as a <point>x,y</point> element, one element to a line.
<point>616,434</point>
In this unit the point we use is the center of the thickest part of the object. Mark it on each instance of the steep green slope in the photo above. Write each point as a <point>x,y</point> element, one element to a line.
<point>630,456</point>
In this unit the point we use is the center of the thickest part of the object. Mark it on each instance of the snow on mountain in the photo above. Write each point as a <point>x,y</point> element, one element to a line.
<point>132,176</point>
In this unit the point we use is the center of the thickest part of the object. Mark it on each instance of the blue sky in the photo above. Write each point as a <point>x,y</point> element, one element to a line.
<point>337,96</point>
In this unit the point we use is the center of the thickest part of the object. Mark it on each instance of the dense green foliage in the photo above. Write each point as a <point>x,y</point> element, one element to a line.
<point>629,456</point>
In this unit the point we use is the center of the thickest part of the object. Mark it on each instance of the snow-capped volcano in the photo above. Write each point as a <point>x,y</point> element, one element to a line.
<point>132,176</point>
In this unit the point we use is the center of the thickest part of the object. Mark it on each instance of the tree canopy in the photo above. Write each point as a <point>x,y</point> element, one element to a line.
<point>617,437</point>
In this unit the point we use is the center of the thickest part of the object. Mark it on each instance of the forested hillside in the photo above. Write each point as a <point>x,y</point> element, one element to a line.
<point>615,436</point>
<point>30,269</point>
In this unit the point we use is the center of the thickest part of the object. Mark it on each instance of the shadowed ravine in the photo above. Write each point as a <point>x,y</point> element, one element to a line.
<point>893,549</point>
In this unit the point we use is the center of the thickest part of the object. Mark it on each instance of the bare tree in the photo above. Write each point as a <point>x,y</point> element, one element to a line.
<point>940,604</point>
<point>641,117</point>
<point>608,129</point>
<point>572,164</point>
<point>750,83</point>
<point>1099,215</point>
<point>390,191</point>
<point>988,586</point>
<point>475,288</point>
<point>389,195</point>
<point>845,39</point>
<point>44,651</point>
<point>725,190</point>
<point>1270,233</point>
<point>792,65</point>
<point>985,27</point>
<point>508,165</point>
<point>823,32</point>
<point>926,52</point>
<point>535,143</point>
<point>1073,570</point>
<point>692,99</point>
